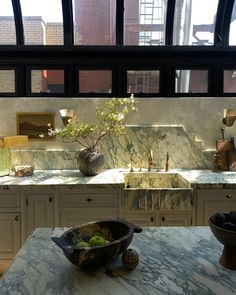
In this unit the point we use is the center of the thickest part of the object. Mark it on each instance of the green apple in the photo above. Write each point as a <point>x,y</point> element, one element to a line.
<point>96,241</point>
<point>83,244</point>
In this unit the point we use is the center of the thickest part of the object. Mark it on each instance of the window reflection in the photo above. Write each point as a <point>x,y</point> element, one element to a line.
<point>47,81</point>
<point>194,22</point>
<point>7,23</point>
<point>191,81</point>
<point>145,22</point>
<point>143,81</point>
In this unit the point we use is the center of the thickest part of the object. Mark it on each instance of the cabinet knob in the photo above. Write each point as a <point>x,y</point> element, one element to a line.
<point>50,199</point>
<point>16,218</point>
<point>89,200</point>
<point>163,219</point>
<point>228,196</point>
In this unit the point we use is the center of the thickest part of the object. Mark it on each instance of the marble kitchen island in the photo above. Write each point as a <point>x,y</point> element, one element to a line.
<point>173,260</point>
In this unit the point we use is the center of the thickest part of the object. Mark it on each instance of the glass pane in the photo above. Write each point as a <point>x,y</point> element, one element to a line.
<point>43,22</point>
<point>232,32</point>
<point>47,81</point>
<point>95,81</point>
<point>94,22</point>
<point>7,81</point>
<point>7,23</point>
<point>230,81</point>
<point>144,22</point>
<point>143,81</point>
<point>191,81</point>
<point>194,22</point>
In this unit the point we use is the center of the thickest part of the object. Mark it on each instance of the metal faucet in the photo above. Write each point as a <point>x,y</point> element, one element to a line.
<point>150,159</point>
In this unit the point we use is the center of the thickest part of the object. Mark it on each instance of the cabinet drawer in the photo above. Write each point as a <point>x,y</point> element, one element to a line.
<point>79,200</point>
<point>10,200</point>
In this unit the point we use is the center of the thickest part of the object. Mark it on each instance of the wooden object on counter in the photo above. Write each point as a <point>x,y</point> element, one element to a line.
<point>23,170</point>
<point>231,157</point>
<point>15,141</point>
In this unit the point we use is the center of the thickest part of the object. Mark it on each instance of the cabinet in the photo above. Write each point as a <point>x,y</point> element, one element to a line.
<point>39,210</point>
<point>10,224</point>
<point>210,201</point>
<point>158,207</point>
<point>85,205</point>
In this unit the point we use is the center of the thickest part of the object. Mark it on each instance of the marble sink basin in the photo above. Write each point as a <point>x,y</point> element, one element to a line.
<point>152,180</point>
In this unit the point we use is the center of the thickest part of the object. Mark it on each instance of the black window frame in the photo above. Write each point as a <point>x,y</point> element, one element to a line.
<point>120,57</point>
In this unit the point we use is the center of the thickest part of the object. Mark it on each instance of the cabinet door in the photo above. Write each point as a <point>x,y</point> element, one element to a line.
<point>140,218</point>
<point>175,218</point>
<point>212,201</point>
<point>39,211</point>
<point>10,235</point>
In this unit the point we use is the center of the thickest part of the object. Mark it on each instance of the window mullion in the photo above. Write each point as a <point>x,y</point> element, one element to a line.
<point>68,27</point>
<point>18,22</point>
<point>119,22</point>
<point>170,22</point>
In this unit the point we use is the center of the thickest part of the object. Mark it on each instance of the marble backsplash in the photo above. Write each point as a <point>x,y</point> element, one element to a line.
<point>184,151</point>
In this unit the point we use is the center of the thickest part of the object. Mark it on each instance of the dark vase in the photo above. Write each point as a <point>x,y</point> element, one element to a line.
<point>90,161</point>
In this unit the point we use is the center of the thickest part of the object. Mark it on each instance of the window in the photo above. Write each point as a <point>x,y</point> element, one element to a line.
<point>143,81</point>
<point>7,23</point>
<point>191,81</point>
<point>107,48</point>
<point>94,22</point>
<point>47,81</point>
<point>41,26</point>
<point>95,81</point>
<point>145,22</point>
<point>194,22</point>
<point>7,81</point>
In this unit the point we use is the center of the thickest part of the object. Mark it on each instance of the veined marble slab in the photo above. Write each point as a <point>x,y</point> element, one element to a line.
<point>173,261</point>
<point>113,177</point>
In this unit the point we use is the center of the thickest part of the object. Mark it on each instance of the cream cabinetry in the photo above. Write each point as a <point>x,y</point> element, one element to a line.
<point>39,210</point>
<point>210,201</point>
<point>84,205</point>
<point>10,224</point>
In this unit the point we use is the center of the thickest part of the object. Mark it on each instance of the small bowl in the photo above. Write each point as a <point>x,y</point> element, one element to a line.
<point>119,232</point>
<point>228,239</point>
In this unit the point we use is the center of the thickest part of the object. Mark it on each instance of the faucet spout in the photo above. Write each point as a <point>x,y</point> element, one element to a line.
<point>150,159</point>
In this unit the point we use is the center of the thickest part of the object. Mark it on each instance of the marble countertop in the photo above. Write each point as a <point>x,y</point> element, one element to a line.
<point>115,177</point>
<point>173,260</point>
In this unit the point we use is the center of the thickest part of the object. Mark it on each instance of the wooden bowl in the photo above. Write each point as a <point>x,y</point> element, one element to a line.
<point>228,239</point>
<point>118,232</point>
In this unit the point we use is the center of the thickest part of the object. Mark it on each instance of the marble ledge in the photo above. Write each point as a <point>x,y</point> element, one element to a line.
<point>204,179</point>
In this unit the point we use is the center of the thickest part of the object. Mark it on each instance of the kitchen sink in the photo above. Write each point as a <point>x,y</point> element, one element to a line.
<point>152,180</point>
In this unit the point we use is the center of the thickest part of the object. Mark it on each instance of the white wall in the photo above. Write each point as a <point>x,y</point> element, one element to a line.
<point>202,116</point>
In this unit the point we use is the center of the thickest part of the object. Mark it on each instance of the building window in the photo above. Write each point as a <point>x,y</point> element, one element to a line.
<point>7,23</point>
<point>230,81</point>
<point>43,22</point>
<point>191,81</point>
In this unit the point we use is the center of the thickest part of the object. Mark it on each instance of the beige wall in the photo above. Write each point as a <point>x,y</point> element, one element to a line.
<point>202,116</point>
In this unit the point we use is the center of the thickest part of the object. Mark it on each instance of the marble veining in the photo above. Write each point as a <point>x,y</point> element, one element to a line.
<point>112,177</point>
<point>173,261</point>
<point>185,152</point>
